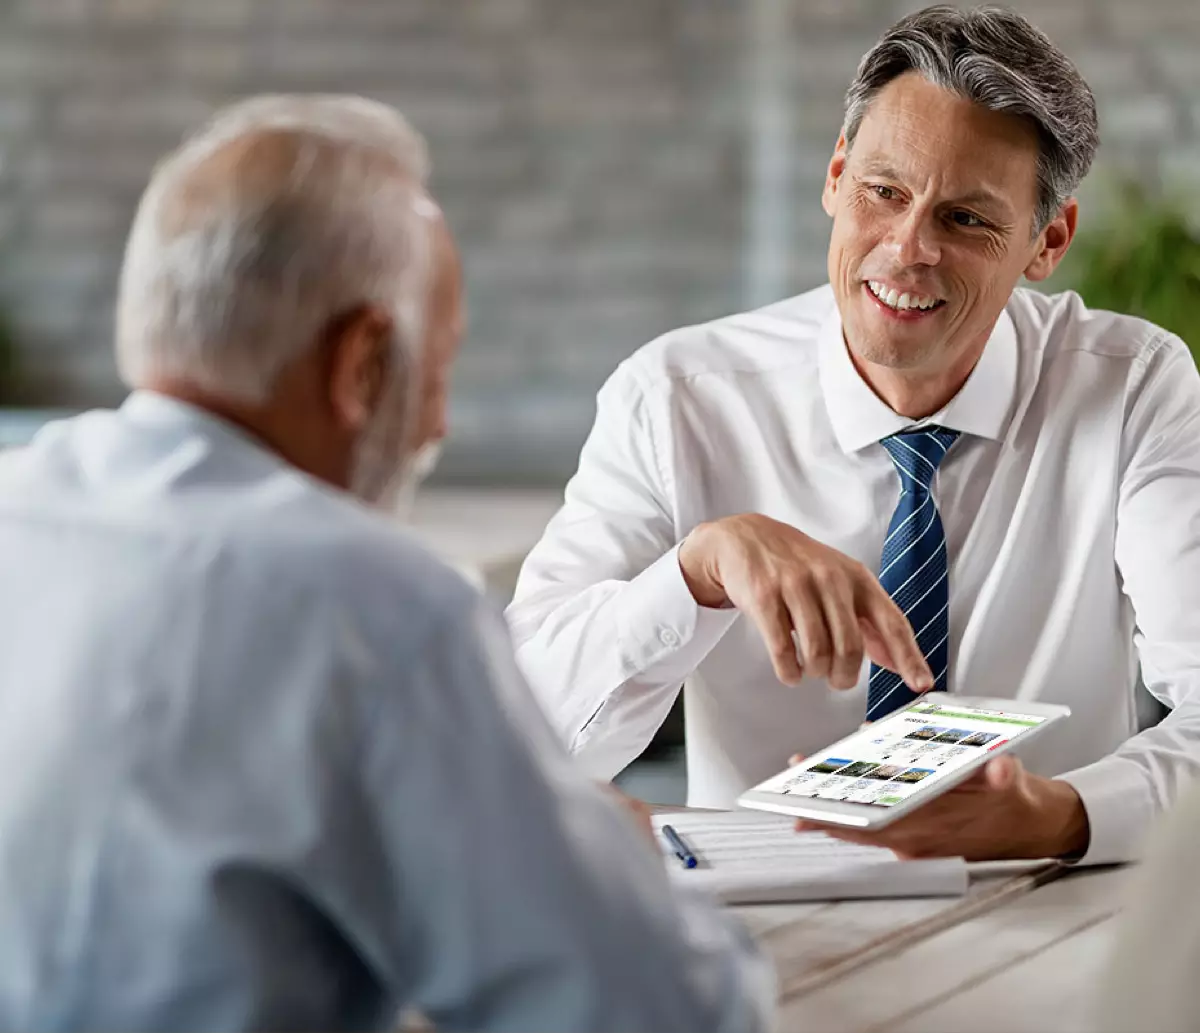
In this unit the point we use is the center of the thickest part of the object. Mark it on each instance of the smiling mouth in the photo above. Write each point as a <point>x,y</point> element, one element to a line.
<point>906,303</point>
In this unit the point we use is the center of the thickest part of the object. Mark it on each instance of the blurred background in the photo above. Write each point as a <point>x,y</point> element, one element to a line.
<point>613,169</point>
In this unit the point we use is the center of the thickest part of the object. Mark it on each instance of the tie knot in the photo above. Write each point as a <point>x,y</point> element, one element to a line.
<point>917,455</point>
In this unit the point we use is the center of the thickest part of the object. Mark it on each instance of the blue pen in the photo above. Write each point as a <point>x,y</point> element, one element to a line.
<point>682,851</point>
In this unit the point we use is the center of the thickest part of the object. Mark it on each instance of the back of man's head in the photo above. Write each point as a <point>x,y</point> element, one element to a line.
<point>279,214</point>
<point>284,224</point>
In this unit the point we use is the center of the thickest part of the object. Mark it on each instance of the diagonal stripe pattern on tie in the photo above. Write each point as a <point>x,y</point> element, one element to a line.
<point>914,568</point>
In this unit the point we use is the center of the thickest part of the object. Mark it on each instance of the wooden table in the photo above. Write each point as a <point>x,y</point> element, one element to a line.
<point>1021,953</point>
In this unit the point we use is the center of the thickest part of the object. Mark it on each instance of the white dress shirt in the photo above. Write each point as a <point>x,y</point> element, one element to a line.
<point>267,765</point>
<point>1071,505</point>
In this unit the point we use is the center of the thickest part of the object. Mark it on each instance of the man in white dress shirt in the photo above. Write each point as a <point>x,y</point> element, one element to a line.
<point>267,764</point>
<point>918,468</point>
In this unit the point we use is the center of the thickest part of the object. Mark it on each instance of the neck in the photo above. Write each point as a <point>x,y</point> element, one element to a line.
<point>916,393</point>
<point>273,425</point>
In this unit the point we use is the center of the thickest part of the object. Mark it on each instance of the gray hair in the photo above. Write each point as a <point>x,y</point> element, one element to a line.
<point>223,290</point>
<point>995,58</point>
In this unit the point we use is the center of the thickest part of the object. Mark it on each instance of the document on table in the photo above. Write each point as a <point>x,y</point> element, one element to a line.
<point>754,858</point>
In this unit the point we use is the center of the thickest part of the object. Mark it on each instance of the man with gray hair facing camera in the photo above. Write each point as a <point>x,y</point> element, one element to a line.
<point>919,476</point>
<point>268,765</point>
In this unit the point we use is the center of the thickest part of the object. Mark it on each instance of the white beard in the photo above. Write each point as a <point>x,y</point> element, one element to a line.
<point>383,484</point>
<point>401,494</point>
<point>385,475</point>
<point>377,472</point>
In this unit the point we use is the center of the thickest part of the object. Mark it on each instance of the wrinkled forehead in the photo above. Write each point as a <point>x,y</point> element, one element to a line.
<point>930,138</point>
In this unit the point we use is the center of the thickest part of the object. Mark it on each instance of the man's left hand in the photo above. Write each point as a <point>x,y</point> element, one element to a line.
<point>1001,812</point>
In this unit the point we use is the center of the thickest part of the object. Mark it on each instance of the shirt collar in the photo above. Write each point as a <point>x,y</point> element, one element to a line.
<point>150,407</point>
<point>860,418</point>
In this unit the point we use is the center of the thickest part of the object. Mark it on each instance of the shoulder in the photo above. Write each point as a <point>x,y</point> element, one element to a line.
<point>757,343</point>
<point>1062,324</point>
<point>360,563</point>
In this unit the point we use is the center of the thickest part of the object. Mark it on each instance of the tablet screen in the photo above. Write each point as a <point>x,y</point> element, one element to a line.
<point>889,761</point>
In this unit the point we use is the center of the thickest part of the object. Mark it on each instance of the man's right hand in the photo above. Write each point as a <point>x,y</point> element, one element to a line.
<point>784,581</point>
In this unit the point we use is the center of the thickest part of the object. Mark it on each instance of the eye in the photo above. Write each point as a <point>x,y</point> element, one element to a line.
<point>961,217</point>
<point>885,193</point>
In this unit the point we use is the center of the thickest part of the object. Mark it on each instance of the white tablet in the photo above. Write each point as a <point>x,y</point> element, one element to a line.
<point>891,767</point>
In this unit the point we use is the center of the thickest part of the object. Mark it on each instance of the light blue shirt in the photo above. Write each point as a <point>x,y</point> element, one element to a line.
<point>269,765</point>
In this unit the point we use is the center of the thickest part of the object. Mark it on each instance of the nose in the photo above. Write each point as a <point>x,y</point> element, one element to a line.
<point>913,239</point>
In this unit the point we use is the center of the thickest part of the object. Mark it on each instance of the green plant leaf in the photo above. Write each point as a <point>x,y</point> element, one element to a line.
<point>1142,259</point>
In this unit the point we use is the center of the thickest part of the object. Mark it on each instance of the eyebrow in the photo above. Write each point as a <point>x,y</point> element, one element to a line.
<point>986,199</point>
<point>875,167</point>
<point>983,198</point>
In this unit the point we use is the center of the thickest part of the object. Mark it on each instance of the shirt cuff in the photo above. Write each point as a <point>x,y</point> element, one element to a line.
<point>1119,808</point>
<point>663,633</point>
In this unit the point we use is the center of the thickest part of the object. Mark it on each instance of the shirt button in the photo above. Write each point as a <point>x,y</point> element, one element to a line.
<point>668,637</point>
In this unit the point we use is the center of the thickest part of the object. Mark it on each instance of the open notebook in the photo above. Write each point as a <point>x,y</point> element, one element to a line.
<point>753,858</point>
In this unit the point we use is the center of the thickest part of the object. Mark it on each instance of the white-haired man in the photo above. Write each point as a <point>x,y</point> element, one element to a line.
<point>268,765</point>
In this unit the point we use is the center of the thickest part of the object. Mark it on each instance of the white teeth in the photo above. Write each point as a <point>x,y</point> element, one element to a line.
<point>900,301</point>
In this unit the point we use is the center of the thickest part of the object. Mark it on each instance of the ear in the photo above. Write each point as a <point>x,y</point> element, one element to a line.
<point>360,363</point>
<point>1053,241</point>
<point>833,178</point>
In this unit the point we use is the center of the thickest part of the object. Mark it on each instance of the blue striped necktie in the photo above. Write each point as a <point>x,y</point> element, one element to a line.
<point>914,568</point>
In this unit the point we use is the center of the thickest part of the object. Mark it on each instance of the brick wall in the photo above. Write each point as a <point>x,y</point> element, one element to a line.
<point>613,167</point>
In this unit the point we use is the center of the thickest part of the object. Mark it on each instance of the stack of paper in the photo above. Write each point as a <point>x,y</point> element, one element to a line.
<point>747,858</point>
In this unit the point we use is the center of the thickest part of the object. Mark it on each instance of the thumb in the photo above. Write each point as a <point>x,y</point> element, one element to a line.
<point>1002,772</point>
